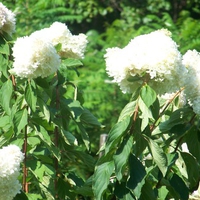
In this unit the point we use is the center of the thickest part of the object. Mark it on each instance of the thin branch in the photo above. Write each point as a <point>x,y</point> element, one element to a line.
<point>25,170</point>
<point>166,106</point>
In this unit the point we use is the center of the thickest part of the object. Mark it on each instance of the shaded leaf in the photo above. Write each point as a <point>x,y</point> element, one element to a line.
<point>88,118</point>
<point>179,186</point>
<point>137,176</point>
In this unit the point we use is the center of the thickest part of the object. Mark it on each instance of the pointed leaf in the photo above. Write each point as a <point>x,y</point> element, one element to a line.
<point>148,95</point>
<point>121,156</point>
<point>159,156</point>
<point>137,176</point>
<point>102,178</point>
<point>127,111</point>
<point>88,118</point>
<point>179,186</point>
<point>20,120</point>
<point>4,47</point>
<point>116,133</point>
<point>30,96</point>
<point>6,93</point>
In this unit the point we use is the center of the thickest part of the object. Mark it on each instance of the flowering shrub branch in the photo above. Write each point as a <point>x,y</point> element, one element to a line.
<point>153,150</point>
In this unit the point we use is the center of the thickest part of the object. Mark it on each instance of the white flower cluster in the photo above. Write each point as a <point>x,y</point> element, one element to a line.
<point>191,82</point>
<point>7,20</point>
<point>152,57</point>
<point>36,55</point>
<point>10,159</point>
<point>72,46</point>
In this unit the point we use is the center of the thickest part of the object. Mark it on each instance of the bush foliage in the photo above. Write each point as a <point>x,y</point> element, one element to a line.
<point>57,121</point>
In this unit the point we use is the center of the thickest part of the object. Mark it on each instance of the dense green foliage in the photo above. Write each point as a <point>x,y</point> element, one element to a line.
<point>126,171</point>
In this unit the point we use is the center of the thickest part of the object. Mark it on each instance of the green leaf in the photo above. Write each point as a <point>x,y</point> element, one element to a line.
<point>4,47</point>
<point>122,192</point>
<point>30,96</point>
<point>46,139</point>
<point>68,138</point>
<point>193,142</point>
<point>177,117</point>
<point>189,168</point>
<point>102,178</point>
<point>88,118</point>
<point>162,193</point>
<point>42,82</point>
<point>171,158</point>
<point>71,62</point>
<point>145,114</point>
<point>4,121</point>
<point>148,95</point>
<point>20,120</point>
<point>137,176</point>
<point>127,111</point>
<point>116,133</point>
<point>86,158</point>
<point>148,192</point>
<point>23,196</point>
<point>84,135</point>
<point>121,156</point>
<point>4,64</point>
<point>177,183</point>
<point>6,94</point>
<point>159,156</point>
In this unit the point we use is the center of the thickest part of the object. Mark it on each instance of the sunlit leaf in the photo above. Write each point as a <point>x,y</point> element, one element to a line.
<point>6,94</point>
<point>158,155</point>
<point>116,133</point>
<point>30,96</point>
<point>121,156</point>
<point>127,111</point>
<point>20,120</point>
<point>148,95</point>
<point>102,178</point>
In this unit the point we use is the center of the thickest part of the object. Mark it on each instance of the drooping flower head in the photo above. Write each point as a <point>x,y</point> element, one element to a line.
<point>10,159</point>
<point>34,57</point>
<point>72,46</point>
<point>152,58</point>
<point>191,81</point>
<point>7,20</point>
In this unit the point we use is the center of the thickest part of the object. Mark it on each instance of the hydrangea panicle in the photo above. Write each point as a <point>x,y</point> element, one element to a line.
<point>7,20</point>
<point>10,159</point>
<point>191,81</point>
<point>152,58</point>
<point>72,46</point>
<point>34,57</point>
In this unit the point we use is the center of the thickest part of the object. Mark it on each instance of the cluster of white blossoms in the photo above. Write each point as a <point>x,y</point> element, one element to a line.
<point>7,20</point>
<point>72,46</point>
<point>152,57</point>
<point>10,159</point>
<point>36,55</point>
<point>191,82</point>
